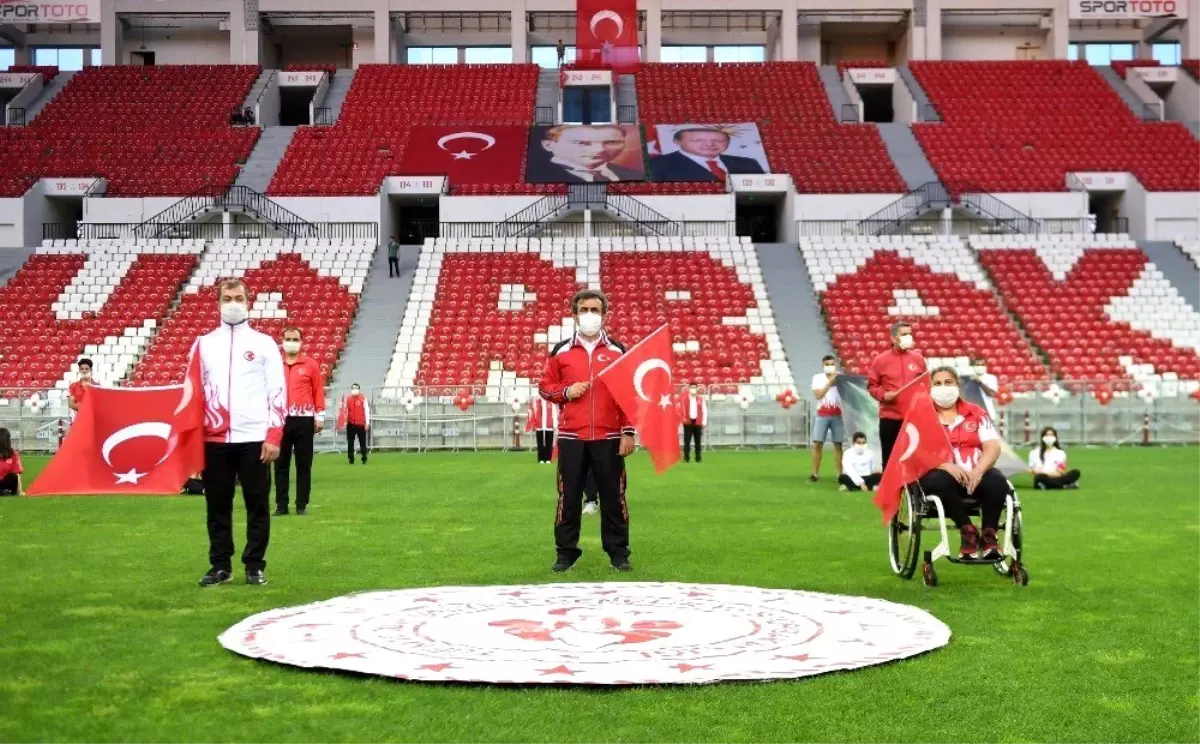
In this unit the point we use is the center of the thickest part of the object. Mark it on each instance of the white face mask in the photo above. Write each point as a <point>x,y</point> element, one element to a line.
<point>1049,441</point>
<point>590,323</point>
<point>906,342</point>
<point>945,395</point>
<point>692,391</point>
<point>85,374</point>
<point>830,369</point>
<point>291,347</point>
<point>981,370</point>
<point>234,312</point>
<point>860,447</point>
<point>354,391</point>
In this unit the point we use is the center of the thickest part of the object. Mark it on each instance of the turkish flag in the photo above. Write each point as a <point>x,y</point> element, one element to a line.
<point>130,441</point>
<point>921,447</point>
<point>466,154</point>
<point>341,419</point>
<point>641,383</point>
<point>606,35</point>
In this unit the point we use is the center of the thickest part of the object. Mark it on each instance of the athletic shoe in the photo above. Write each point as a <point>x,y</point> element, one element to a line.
<point>843,488</point>
<point>301,511</point>
<point>281,512</point>
<point>590,508</point>
<point>1072,486</point>
<point>256,578</point>
<point>622,565</point>
<point>990,549</point>
<point>215,576</point>
<point>562,565</point>
<point>970,542</point>
<point>813,479</point>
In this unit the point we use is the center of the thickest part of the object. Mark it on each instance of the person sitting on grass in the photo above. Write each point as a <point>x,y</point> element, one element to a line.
<point>1048,463</point>
<point>860,472</point>
<point>10,467</point>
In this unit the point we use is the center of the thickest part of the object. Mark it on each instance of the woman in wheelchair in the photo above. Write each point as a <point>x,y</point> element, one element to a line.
<point>970,478</point>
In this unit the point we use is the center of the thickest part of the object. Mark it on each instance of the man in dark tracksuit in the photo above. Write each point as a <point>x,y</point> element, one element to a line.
<point>592,433</point>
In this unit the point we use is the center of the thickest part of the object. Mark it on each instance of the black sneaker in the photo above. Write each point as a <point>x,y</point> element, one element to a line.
<point>622,565</point>
<point>301,511</point>
<point>215,576</point>
<point>256,578</point>
<point>562,565</point>
<point>813,479</point>
<point>281,512</point>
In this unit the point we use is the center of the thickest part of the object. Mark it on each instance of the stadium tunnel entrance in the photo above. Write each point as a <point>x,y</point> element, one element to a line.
<point>758,216</point>
<point>411,218</point>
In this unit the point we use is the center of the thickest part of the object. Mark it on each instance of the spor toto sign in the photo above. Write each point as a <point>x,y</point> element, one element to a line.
<point>49,11</point>
<point>1126,9</point>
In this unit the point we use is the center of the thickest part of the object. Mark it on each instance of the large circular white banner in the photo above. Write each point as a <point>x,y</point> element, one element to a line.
<point>592,634</point>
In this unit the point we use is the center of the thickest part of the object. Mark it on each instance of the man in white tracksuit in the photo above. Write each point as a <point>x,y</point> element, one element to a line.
<point>245,404</point>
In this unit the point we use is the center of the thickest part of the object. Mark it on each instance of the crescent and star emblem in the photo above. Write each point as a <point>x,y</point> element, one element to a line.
<point>607,15</point>
<point>914,439</point>
<point>640,373</point>
<point>488,140</point>
<point>158,429</point>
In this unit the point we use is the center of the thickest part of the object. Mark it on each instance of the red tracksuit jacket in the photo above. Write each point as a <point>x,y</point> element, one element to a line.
<point>891,371</point>
<point>595,415</point>
<point>305,387</point>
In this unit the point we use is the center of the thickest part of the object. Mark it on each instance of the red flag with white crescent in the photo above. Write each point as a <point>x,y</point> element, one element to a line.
<point>130,441</point>
<point>921,446</point>
<point>641,383</point>
<point>606,35</point>
<point>466,154</point>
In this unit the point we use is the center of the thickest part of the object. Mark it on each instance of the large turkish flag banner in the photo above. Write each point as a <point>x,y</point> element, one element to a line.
<point>641,383</point>
<point>922,446</point>
<point>130,441</point>
<point>466,154</point>
<point>606,35</point>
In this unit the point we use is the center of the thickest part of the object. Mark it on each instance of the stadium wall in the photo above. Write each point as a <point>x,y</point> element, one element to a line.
<point>824,207</point>
<point>1069,205</point>
<point>991,42</point>
<point>701,208</point>
<point>1169,215</point>
<point>178,46</point>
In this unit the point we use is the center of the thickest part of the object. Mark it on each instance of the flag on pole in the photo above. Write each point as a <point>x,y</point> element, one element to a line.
<point>641,383</point>
<point>606,35</point>
<point>131,441</point>
<point>921,446</point>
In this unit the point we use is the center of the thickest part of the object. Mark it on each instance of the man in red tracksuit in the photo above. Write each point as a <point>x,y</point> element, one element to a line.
<point>305,419</point>
<point>356,412</point>
<point>592,433</point>
<point>891,372</point>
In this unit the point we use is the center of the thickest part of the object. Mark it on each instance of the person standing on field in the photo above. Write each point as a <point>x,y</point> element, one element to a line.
<point>306,419</point>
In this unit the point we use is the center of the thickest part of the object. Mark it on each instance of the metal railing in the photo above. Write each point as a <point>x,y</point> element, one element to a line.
<point>236,198</point>
<point>323,116</point>
<point>587,195</point>
<point>989,207</point>
<point>544,115</point>
<point>521,223</point>
<point>933,226</point>
<point>638,211</point>
<point>626,114</point>
<point>16,117</point>
<point>928,196</point>
<point>572,229</point>
<point>849,114</point>
<point>207,231</point>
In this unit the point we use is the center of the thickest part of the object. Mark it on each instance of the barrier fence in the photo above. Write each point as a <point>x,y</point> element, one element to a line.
<point>430,419</point>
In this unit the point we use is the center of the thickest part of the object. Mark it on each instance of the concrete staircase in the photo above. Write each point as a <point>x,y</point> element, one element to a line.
<point>833,90</point>
<point>11,261</point>
<point>372,338</point>
<point>1122,89</point>
<point>907,154</point>
<point>797,314</point>
<point>1178,268</point>
<point>49,91</point>
<point>547,90</point>
<point>256,90</point>
<point>627,94</point>
<point>339,86</point>
<point>925,109</point>
<point>1194,128</point>
<point>265,158</point>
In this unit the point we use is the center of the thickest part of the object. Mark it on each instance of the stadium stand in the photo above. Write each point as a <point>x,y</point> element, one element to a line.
<point>100,298</point>
<point>1191,248</point>
<point>146,130</point>
<point>297,67</point>
<point>1089,301</point>
<point>865,284</point>
<point>800,134</point>
<point>484,312</point>
<point>1192,67</point>
<point>1122,65</point>
<point>861,64</point>
<point>367,142</point>
<point>310,283</point>
<point>1022,126</point>
<point>49,72</point>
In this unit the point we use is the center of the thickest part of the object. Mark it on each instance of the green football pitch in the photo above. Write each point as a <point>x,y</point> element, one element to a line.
<point>104,635</point>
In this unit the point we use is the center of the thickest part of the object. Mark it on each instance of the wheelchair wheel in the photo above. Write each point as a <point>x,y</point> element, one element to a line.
<point>1004,568</point>
<point>904,536</point>
<point>928,575</point>
<point>1020,576</point>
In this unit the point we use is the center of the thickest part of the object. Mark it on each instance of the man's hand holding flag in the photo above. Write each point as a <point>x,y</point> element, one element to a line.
<point>642,383</point>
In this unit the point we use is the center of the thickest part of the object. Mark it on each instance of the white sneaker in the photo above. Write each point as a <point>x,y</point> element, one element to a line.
<point>590,508</point>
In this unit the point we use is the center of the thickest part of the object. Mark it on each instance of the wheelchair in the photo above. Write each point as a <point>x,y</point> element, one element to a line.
<point>904,537</point>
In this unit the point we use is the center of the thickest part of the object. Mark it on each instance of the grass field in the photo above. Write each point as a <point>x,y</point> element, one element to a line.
<point>104,635</point>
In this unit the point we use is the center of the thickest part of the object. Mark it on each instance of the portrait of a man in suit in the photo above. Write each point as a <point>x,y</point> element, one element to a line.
<point>582,153</point>
<point>701,157</point>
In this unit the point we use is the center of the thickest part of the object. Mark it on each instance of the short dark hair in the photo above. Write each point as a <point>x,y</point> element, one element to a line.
<point>829,358</point>
<point>857,436</point>
<point>291,328</point>
<point>680,132</point>
<point>84,360</point>
<point>589,294</point>
<point>900,324</point>
<point>231,283</point>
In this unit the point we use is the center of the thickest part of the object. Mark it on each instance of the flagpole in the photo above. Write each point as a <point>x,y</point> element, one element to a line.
<point>631,349</point>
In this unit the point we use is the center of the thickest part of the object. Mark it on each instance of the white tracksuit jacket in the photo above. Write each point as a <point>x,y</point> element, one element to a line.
<point>244,383</point>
